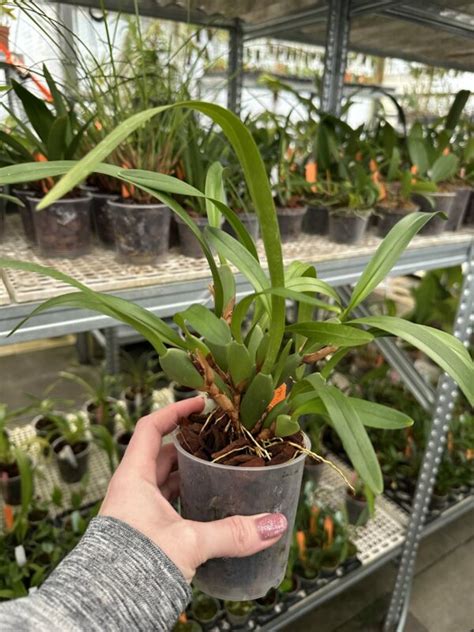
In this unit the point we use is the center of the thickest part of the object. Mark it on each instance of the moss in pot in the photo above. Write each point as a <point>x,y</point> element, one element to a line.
<point>239,612</point>
<point>205,609</point>
<point>255,418</point>
<point>72,448</point>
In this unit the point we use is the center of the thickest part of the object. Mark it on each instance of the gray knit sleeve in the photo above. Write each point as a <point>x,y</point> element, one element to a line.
<point>115,579</point>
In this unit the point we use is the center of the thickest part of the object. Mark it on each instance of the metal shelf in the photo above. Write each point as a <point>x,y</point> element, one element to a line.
<point>335,264</point>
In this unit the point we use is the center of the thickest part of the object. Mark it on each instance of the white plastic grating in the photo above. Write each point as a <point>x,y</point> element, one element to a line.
<point>47,476</point>
<point>100,270</point>
<point>383,532</point>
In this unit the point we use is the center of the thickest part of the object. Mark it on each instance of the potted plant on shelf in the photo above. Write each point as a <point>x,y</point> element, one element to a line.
<point>205,609</point>
<point>43,422</point>
<point>140,377</point>
<point>72,448</point>
<point>239,612</point>
<point>14,462</point>
<point>360,504</point>
<point>54,132</point>
<point>251,442</point>
<point>100,402</point>
<point>125,421</point>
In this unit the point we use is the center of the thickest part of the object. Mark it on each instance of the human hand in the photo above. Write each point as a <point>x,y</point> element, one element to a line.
<point>146,480</point>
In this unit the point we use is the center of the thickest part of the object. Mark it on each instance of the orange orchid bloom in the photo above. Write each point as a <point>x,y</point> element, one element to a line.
<point>329,529</point>
<point>301,542</point>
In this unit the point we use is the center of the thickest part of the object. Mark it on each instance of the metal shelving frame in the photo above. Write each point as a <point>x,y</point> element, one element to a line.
<point>165,300</point>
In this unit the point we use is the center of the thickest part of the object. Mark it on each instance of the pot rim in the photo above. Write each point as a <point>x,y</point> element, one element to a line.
<point>261,468</point>
<point>82,198</point>
<point>86,449</point>
<point>196,218</point>
<point>292,210</point>
<point>129,205</point>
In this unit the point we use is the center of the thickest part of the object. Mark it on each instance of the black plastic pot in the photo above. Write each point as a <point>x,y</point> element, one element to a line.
<point>249,220</point>
<point>71,473</point>
<point>458,208</point>
<point>45,428</point>
<point>102,217</point>
<point>328,572</point>
<point>96,416</point>
<point>347,228</point>
<point>441,202</point>
<point>188,244</point>
<point>307,581</point>
<point>182,392</point>
<point>141,231</point>
<point>63,229</point>
<point>26,213</point>
<point>389,218</point>
<point>123,439</point>
<point>10,483</point>
<point>290,595</point>
<point>290,221</point>
<point>469,216</point>
<point>268,602</point>
<point>316,220</point>
<point>439,501</point>
<point>357,510</point>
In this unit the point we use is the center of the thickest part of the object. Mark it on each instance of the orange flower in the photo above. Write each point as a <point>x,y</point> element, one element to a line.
<point>313,520</point>
<point>127,190</point>
<point>278,396</point>
<point>358,156</point>
<point>446,151</point>
<point>8,517</point>
<point>329,529</point>
<point>47,183</point>
<point>469,454</point>
<point>373,166</point>
<point>414,170</point>
<point>98,125</point>
<point>183,618</point>
<point>301,542</point>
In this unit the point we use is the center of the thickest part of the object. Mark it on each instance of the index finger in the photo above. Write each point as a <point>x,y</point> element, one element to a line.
<point>144,447</point>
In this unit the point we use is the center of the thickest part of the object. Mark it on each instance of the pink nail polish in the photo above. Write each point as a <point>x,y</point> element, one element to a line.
<point>271,526</point>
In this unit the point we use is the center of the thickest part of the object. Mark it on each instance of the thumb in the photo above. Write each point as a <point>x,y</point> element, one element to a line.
<point>239,536</point>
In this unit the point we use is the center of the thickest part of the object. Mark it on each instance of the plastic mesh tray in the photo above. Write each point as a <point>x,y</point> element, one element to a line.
<point>382,533</point>
<point>100,270</point>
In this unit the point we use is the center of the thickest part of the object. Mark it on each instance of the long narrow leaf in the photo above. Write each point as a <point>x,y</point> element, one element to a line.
<point>327,333</point>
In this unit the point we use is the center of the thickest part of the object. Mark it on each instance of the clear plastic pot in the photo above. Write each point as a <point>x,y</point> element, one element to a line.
<point>389,218</point>
<point>347,228</point>
<point>141,231</point>
<point>188,244</point>
<point>102,217</point>
<point>249,220</point>
<point>26,213</point>
<point>316,220</point>
<point>290,221</point>
<point>64,228</point>
<point>441,202</point>
<point>458,208</point>
<point>210,491</point>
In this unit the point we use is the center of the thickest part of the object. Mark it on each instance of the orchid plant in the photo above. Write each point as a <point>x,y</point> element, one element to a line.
<point>241,368</point>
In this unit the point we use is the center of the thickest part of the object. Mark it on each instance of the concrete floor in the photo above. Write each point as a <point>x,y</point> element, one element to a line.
<point>442,595</point>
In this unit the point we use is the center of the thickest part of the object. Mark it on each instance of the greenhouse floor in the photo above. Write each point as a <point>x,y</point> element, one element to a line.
<point>442,591</point>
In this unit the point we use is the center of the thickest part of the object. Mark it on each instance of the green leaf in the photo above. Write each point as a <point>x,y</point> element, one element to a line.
<point>307,284</point>
<point>214,190</point>
<point>346,421</point>
<point>255,175</point>
<point>386,256</point>
<point>379,416</point>
<point>56,142</point>
<point>281,408</point>
<point>445,350</point>
<point>26,479</point>
<point>281,362</point>
<point>207,324</point>
<point>286,426</point>
<point>38,114</point>
<point>418,154</point>
<point>256,399</point>
<point>455,111</point>
<point>178,367</point>
<point>239,363</point>
<point>327,333</point>
<point>254,341</point>
<point>228,284</point>
<point>444,168</point>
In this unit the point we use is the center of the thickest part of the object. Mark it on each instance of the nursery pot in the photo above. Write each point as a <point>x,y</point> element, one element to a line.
<point>249,220</point>
<point>102,216</point>
<point>26,213</point>
<point>390,217</point>
<point>72,470</point>
<point>316,220</point>
<point>141,231</point>
<point>239,618</point>
<point>137,402</point>
<point>211,491</point>
<point>347,228</point>
<point>206,610</point>
<point>268,602</point>
<point>441,202</point>
<point>123,439</point>
<point>188,244</point>
<point>45,428</point>
<point>94,417</point>
<point>469,216</point>
<point>313,471</point>
<point>290,221</point>
<point>10,484</point>
<point>458,208</point>
<point>357,510</point>
<point>63,229</point>
<point>182,392</point>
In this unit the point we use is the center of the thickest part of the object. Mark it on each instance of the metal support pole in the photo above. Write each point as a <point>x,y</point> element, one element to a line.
<point>418,387</point>
<point>335,58</point>
<point>235,68</point>
<point>445,401</point>
<point>83,348</point>
<point>112,360</point>
<point>66,37</point>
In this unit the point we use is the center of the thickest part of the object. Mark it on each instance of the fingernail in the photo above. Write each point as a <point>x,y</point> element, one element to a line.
<point>271,526</point>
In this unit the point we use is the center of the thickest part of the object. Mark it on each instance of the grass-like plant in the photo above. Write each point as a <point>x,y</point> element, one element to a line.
<point>241,369</point>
